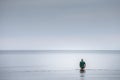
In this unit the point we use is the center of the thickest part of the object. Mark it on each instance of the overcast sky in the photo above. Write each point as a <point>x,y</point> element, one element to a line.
<point>59,24</point>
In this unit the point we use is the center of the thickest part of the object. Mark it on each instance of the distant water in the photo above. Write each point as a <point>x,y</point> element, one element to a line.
<point>59,64</point>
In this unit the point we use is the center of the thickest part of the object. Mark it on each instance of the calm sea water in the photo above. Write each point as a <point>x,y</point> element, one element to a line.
<point>57,65</point>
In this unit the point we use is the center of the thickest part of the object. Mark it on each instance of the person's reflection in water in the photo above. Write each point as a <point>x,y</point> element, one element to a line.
<point>82,74</point>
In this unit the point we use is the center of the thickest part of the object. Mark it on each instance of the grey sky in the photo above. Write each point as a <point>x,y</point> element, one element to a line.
<point>59,24</point>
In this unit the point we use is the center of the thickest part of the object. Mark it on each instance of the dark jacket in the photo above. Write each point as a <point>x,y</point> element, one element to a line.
<point>82,64</point>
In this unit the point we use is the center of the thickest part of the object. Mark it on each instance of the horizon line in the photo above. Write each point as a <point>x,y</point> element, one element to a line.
<point>64,50</point>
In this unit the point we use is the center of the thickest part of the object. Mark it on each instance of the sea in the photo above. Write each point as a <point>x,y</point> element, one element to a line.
<point>59,64</point>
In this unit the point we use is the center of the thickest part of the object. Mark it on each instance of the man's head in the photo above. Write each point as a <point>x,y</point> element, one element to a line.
<point>81,59</point>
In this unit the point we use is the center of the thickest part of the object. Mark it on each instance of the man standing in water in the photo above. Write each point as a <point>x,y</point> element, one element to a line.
<point>82,65</point>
